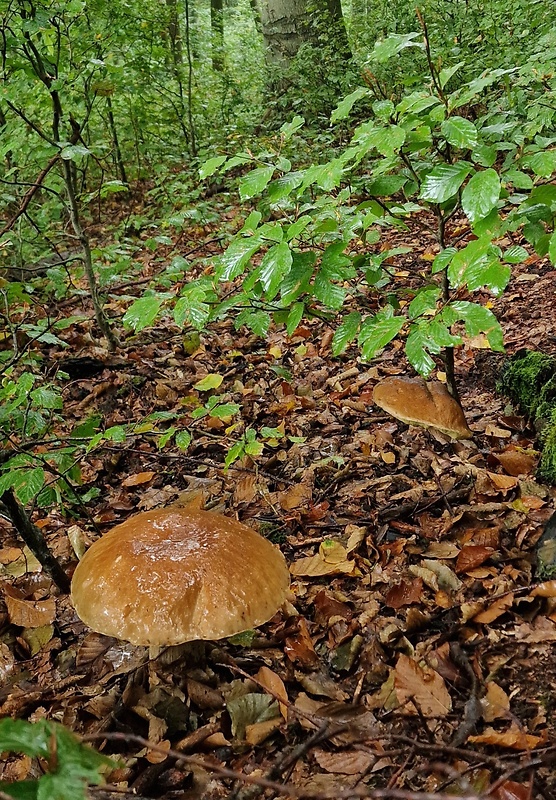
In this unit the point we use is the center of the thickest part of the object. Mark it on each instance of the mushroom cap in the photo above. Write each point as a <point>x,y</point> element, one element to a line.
<point>174,575</point>
<point>428,405</point>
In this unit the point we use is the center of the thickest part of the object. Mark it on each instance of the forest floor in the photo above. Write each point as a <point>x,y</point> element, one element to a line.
<point>415,661</point>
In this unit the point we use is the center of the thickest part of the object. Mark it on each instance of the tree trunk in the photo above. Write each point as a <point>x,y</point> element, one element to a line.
<point>287,24</point>
<point>217,30</point>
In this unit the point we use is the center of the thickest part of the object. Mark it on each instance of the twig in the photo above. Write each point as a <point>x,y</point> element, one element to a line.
<point>34,540</point>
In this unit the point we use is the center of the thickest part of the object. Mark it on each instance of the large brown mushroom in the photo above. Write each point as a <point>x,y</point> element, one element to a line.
<point>427,405</point>
<point>174,575</point>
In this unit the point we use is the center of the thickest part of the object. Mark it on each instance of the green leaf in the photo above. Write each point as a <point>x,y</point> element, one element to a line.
<point>346,332</point>
<point>477,319</point>
<point>481,194</point>
<point>284,186</point>
<point>552,248</point>
<point>442,260</point>
<point>210,166</point>
<point>344,106</point>
<point>520,180</point>
<point>543,163</point>
<point>143,312</point>
<point>20,736</point>
<point>248,709</point>
<point>29,489</point>
<point>446,73</point>
<point>294,317</point>
<point>257,321</point>
<point>224,410</point>
<point>190,308</point>
<point>297,227</point>
<point>235,259</point>
<point>254,182</point>
<point>22,790</point>
<point>275,265</point>
<point>210,381</point>
<point>289,128</point>
<point>183,439</point>
<point>444,181</point>
<point>460,132</point>
<point>386,185</point>
<point>425,300</point>
<point>236,451</point>
<point>376,332</point>
<point>415,350</point>
<point>384,49</point>
<point>516,255</point>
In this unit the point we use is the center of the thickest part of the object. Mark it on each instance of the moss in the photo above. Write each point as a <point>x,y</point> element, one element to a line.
<point>523,380</point>
<point>547,467</point>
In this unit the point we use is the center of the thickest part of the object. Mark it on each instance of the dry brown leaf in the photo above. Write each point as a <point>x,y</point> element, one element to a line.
<point>510,790</point>
<point>472,556</point>
<point>423,686</point>
<point>155,756</point>
<point>259,731</point>
<point>502,482</point>
<point>514,738</point>
<point>545,589</point>
<point>541,630</point>
<point>516,462</point>
<point>495,703</point>
<point>138,479</point>
<point>404,593</point>
<point>299,495</point>
<point>274,683</point>
<point>29,614</point>
<point>496,609</point>
<point>354,762</point>
<point>316,565</point>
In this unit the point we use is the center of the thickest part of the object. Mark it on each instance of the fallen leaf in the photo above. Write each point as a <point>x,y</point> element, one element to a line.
<point>423,686</point>
<point>472,556</point>
<point>514,738</point>
<point>259,731</point>
<point>510,790</point>
<point>316,565</point>
<point>495,703</point>
<point>29,614</point>
<point>502,482</point>
<point>516,462</point>
<point>138,479</point>
<point>496,609</point>
<point>299,495</point>
<point>404,593</point>
<point>355,762</point>
<point>274,683</point>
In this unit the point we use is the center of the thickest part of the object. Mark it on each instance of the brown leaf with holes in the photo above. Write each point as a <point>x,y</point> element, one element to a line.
<point>422,686</point>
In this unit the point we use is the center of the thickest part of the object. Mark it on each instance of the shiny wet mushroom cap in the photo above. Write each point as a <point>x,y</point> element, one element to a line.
<point>174,575</point>
<point>427,405</point>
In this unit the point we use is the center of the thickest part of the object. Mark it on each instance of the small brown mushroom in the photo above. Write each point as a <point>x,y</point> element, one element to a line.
<point>174,575</point>
<point>428,405</point>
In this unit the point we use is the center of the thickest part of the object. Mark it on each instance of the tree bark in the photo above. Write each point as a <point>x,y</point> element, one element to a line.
<point>288,24</point>
<point>217,31</point>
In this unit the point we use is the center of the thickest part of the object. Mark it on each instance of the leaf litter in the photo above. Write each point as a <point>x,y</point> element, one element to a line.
<point>415,621</point>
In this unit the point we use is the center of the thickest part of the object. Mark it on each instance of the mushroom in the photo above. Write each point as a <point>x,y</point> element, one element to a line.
<point>173,575</point>
<point>428,405</point>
